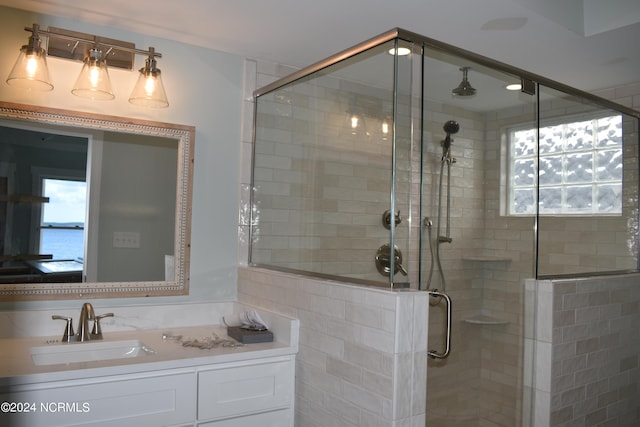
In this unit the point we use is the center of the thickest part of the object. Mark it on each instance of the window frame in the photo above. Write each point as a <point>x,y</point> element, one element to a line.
<point>39,174</point>
<point>40,225</point>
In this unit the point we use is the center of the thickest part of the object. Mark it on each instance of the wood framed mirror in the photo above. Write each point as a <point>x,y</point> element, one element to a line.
<point>133,238</point>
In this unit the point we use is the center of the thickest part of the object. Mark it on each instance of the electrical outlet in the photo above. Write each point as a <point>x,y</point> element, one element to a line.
<point>126,239</point>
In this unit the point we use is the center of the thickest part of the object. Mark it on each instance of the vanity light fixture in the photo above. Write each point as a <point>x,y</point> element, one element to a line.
<point>149,90</point>
<point>30,70</point>
<point>93,81</point>
<point>366,116</point>
<point>354,120</point>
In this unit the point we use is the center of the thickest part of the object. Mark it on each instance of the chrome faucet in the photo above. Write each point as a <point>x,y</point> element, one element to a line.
<point>86,314</point>
<point>96,333</point>
<point>84,333</point>
<point>69,335</point>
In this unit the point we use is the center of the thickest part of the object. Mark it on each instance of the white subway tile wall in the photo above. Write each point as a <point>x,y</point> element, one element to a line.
<point>587,352</point>
<point>321,187</point>
<point>363,350</point>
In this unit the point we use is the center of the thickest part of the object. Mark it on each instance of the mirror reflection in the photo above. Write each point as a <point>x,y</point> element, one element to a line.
<point>104,207</point>
<point>43,190</point>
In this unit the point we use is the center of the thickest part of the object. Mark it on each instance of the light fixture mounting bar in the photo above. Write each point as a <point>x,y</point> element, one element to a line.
<point>75,45</point>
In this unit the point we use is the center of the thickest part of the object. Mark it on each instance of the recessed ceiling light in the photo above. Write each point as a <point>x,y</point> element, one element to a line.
<point>402,51</point>
<point>513,86</point>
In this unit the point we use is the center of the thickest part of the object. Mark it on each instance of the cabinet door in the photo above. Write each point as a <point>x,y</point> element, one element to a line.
<point>242,390</point>
<point>117,401</point>
<point>280,418</point>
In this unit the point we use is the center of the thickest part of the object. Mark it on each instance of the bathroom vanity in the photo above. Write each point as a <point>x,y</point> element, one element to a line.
<point>158,382</point>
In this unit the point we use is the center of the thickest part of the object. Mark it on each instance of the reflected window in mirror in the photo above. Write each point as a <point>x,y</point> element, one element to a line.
<point>41,230</point>
<point>63,217</point>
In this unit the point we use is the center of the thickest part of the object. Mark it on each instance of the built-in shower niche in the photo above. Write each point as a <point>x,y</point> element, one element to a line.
<point>487,312</point>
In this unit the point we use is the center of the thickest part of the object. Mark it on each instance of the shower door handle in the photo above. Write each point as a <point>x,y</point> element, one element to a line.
<point>447,343</point>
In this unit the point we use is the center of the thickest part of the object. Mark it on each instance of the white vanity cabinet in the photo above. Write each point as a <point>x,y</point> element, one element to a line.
<point>253,392</point>
<point>256,394</point>
<point>162,398</point>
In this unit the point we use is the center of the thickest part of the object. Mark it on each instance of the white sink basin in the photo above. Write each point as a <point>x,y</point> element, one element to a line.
<point>64,353</point>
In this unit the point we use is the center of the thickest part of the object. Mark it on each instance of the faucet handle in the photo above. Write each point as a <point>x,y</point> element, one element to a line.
<point>96,333</point>
<point>68,335</point>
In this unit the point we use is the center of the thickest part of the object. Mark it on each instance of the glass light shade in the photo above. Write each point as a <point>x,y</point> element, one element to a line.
<point>30,70</point>
<point>149,90</point>
<point>93,81</point>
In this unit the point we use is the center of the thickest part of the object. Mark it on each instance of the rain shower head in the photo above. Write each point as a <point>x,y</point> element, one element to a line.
<point>464,88</point>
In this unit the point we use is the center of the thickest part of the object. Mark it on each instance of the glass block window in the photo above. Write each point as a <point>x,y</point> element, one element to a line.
<point>580,167</point>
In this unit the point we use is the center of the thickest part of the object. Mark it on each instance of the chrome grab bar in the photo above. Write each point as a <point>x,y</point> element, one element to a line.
<point>447,344</point>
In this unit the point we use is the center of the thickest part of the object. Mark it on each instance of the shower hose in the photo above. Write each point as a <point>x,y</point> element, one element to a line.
<point>435,253</point>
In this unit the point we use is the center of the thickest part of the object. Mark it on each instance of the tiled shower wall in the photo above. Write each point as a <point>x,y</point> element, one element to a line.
<point>481,278</point>
<point>587,352</point>
<point>480,383</point>
<point>585,343</point>
<point>352,187</point>
<point>321,187</point>
<point>569,244</point>
<point>487,265</point>
<point>362,350</point>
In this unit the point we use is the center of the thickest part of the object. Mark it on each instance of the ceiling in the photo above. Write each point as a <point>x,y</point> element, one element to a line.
<point>575,42</point>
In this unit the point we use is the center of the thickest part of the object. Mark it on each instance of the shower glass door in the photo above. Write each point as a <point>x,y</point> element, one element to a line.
<point>477,241</point>
<point>333,174</point>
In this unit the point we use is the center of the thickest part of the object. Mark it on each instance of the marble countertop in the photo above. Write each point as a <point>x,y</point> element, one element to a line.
<point>17,367</point>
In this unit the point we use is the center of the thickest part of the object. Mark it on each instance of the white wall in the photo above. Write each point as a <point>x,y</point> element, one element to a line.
<point>137,193</point>
<point>205,90</point>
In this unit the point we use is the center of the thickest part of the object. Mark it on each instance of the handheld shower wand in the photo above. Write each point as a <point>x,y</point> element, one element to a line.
<point>450,127</point>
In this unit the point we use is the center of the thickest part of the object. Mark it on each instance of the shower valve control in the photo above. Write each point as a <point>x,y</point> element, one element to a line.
<point>385,263</point>
<point>386,219</point>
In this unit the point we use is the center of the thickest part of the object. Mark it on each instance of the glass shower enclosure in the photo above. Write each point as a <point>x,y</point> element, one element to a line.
<point>406,162</point>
